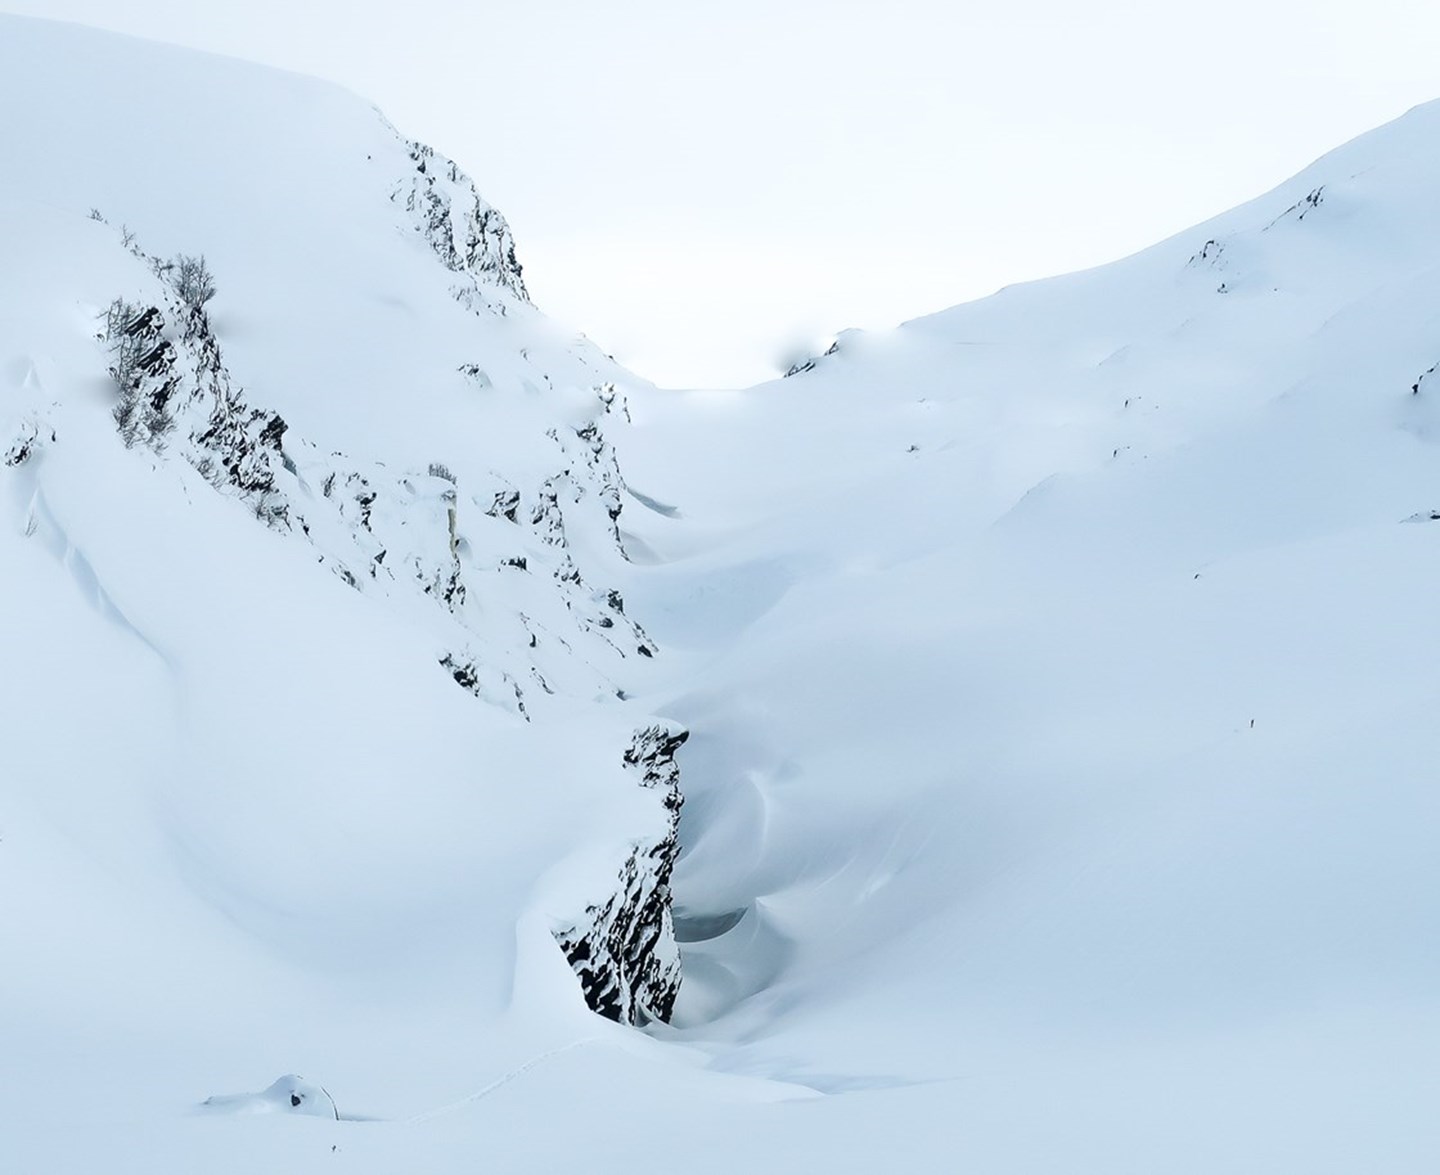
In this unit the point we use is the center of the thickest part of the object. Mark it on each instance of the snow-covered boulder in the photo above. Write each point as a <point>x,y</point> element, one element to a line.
<point>290,1094</point>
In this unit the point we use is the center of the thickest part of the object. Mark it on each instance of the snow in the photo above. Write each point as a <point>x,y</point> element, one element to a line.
<point>1059,671</point>
<point>290,1094</point>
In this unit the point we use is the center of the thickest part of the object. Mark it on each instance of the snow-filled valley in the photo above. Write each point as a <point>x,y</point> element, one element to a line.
<point>1003,745</point>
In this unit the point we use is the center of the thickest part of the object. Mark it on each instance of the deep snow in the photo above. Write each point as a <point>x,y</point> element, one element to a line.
<point>1060,673</point>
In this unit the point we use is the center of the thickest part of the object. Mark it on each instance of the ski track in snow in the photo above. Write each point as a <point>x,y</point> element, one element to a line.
<point>499,1083</point>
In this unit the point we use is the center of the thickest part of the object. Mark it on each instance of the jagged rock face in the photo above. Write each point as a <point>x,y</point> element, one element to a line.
<point>468,235</point>
<point>175,382</point>
<point>624,949</point>
<point>403,534</point>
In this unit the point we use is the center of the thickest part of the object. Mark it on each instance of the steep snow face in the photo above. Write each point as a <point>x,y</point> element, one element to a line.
<point>1058,674</point>
<point>338,353</point>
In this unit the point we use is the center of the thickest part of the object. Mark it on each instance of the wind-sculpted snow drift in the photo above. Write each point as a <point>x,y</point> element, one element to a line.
<point>1053,681</point>
<point>290,1094</point>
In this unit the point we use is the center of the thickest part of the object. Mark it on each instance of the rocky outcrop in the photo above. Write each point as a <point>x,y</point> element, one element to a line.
<point>469,237</point>
<point>398,533</point>
<point>24,443</point>
<point>483,558</point>
<point>624,949</point>
<point>173,389</point>
<point>1302,208</point>
<point>809,363</point>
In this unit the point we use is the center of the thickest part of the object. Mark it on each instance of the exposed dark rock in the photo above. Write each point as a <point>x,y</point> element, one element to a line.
<point>1301,208</point>
<point>506,505</point>
<point>382,531</point>
<point>624,949</point>
<point>24,445</point>
<point>470,237</point>
<point>489,684</point>
<point>809,364</point>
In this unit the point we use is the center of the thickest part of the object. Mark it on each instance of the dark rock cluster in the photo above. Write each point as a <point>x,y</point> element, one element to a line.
<point>624,950</point>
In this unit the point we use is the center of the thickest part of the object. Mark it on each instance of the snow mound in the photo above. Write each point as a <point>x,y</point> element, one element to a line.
<point>290,1094</point>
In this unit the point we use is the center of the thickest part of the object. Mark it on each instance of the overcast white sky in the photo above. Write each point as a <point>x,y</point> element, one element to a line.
<point>707,188</point>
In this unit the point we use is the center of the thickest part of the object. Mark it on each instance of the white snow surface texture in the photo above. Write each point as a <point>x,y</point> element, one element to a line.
<point>1061,673</point>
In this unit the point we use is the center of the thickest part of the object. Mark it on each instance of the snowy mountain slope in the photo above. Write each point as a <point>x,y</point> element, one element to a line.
<point>1058,673</point>
<point>172,451</point>
<point>977,642</point>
